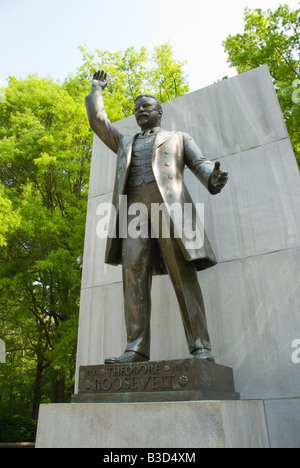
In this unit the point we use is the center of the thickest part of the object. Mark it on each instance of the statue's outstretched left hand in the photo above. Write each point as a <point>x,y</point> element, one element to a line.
<point>218,178</point>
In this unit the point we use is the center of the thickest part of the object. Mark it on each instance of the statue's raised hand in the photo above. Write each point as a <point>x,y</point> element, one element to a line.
<point>100,80</point>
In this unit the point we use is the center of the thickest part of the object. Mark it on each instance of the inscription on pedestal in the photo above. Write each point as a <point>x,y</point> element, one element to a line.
<point>135,377</point>
<point>187,374</point>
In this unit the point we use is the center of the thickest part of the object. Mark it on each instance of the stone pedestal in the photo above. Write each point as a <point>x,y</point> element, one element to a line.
<point>178,380</point>
<point>213,424</point>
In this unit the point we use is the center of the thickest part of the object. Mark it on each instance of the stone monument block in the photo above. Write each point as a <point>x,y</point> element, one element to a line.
<point>252,295</point>
<point>161,426</point>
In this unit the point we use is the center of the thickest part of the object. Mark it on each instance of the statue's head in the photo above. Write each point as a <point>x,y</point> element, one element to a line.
<point>148,111</point>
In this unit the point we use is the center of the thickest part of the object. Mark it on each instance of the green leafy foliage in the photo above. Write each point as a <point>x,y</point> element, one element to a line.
<point>9,219</point>
<point>273,38</point>
<point>131,72</point>
<point>45,162</point>
<point>17,428</point>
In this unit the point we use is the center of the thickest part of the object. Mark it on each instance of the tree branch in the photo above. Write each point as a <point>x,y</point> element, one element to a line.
<point>288,64</point>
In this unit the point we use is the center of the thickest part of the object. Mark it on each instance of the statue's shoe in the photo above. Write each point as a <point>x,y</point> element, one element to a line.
<point>203,354</point>
<point>128,356</point>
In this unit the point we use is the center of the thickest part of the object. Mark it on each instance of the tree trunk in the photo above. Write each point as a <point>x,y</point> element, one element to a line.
<point>59,396</point>
<point>37,390</point>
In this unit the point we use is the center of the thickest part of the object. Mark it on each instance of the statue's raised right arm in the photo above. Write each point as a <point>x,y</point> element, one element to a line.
<point>97,115</point>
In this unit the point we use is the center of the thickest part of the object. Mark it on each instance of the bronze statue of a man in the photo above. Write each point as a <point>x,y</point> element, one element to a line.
<point>149,170</point>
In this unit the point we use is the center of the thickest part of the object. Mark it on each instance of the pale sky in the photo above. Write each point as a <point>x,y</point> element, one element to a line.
<point>42,36</point>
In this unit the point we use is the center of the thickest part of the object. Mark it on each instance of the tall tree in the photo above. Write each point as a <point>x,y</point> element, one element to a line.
<point>45,154</point>
<point>273,38</point>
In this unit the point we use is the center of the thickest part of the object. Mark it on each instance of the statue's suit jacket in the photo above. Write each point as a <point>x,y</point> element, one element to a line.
<point>172,151</point>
